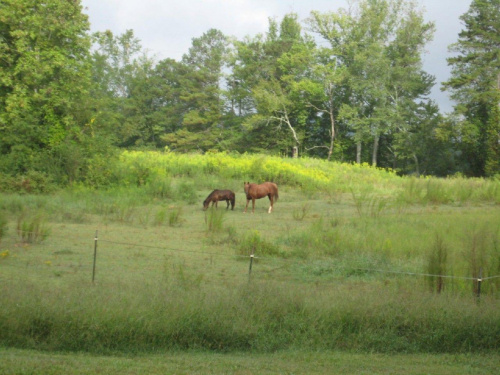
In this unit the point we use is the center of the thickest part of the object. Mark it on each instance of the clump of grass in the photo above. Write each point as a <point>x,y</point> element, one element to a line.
<point>436,192</point>
<point>160,217</point>
<point>437,265</point>
<point>175,217</point>
<point>368,204</point>
<point>253,243</point>
<point>482,256</point>
<point>301,213</point>
<point>317,240</point>
<point>214,220</point>
<point>186,191</point>
<point>464,192</point>
<point>160,187</point>
<point>32,228</point>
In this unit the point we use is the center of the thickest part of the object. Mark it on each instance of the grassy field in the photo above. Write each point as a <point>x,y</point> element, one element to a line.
<point>341,273</point>
<point>16,361</point>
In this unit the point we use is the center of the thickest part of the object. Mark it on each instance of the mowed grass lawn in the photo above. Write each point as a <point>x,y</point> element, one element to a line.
<point>16,361</point>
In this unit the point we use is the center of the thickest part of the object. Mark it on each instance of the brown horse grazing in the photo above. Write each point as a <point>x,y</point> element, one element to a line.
<point>257,191</point>
<point>220,195</point>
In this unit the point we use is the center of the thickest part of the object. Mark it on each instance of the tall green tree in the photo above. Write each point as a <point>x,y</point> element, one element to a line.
<point>270,69</point>
<point>44,78</point>
<point>380,43</point>
<point>121,73</point>
<point>475,86</point>
<point>201,96</point>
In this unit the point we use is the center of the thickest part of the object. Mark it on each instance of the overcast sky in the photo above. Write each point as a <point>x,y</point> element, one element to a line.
<point>167,27</point>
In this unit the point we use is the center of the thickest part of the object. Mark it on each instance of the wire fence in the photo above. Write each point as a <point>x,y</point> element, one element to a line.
<point>79,247</point>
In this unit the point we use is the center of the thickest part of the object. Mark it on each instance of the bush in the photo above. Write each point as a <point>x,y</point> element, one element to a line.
<point>33,182</point>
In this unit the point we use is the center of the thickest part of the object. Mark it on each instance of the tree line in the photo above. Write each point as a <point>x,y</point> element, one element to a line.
<point>344,86</point>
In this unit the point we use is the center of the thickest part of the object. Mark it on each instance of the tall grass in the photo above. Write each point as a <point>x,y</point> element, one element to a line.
<point>32,227</point>
<point>182,313</point>
<point>436,265</point>
<point>214,220</point>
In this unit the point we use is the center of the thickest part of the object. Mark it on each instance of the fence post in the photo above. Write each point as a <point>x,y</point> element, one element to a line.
<point>479,281</point>
<point>95,256</point>
<point>250,267</point>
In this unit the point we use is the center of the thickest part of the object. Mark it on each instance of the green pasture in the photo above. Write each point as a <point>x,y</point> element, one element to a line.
<point>17,361</point>
<point>352,269</point>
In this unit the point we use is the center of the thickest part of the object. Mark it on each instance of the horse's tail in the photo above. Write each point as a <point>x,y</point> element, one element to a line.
<point>276,195</point>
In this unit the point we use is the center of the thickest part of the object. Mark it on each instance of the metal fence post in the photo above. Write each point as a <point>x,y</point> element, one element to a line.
<point>479,281</point>
<point>95,257</point>
<point>250,267</point>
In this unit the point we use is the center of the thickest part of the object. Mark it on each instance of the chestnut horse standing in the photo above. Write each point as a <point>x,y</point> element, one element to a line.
<point>257,191</point>
<point>220,195</point>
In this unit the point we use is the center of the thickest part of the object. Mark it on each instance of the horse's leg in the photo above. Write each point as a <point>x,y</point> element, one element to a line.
<point>271,204</point>
<point>253,205</point>
<point>248,201</point>
<point>227,202</point>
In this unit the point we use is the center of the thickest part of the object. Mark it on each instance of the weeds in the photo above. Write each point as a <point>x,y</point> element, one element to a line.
<point>32,228</point>
<point>175,217</point>
<point>368,204</point>
<point>301,213</point>
<point>437,264</point>
<point>253,243</point>
<point>214,220</point>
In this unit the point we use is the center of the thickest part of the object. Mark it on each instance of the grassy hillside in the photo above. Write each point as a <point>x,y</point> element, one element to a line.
<point>344,262</point>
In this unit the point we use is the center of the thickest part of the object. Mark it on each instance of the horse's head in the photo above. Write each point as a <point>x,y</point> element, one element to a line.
<point>246,186</point>
<point>206,202</point>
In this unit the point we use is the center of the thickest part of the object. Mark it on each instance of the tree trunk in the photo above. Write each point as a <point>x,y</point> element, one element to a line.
<point>358,152</point>
<point>332,135</point>
<point>417,167</point>
<point>375,150</point>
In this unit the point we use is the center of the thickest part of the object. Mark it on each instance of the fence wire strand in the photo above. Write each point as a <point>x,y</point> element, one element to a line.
<point>268,258</point>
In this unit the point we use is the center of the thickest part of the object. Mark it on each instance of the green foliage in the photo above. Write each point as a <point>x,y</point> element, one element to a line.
<point>33,182</point>
<point>45,79</point>
<point>474,84</point>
